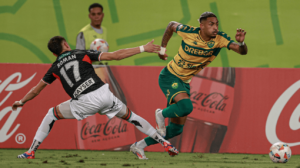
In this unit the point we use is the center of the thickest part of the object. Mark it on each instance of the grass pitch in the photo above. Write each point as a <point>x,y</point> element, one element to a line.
<point>109,159</point>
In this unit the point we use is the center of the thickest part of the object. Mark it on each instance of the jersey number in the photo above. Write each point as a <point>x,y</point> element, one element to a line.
<point>76,73</point>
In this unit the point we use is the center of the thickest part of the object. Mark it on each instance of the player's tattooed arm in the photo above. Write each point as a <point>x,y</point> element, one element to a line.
<point>169,32</point>
<point>172,26</point>
<point>30,95</point>
<point>240,48</point>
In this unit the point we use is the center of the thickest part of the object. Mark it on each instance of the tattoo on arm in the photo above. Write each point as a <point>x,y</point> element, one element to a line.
<point>168,33</point>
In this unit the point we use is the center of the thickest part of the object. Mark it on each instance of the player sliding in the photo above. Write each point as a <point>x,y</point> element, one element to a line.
<point>199,47</point>
<point>88,92</point>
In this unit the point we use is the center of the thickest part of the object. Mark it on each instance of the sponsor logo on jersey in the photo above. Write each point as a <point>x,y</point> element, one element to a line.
<point>83,87</point>
<point>63,55</point>
<point>190,50</point>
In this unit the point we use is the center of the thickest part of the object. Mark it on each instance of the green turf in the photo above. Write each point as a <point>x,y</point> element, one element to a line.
<point>89,159</point>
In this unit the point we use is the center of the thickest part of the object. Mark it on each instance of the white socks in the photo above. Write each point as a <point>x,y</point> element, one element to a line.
<point>145,127</point>
<point>141,144</point>
<point>141,124</point>
<point>43,130</point>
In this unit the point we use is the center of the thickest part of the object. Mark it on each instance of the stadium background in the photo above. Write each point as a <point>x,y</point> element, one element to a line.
<point>270,25</point>
<point>27,25</point>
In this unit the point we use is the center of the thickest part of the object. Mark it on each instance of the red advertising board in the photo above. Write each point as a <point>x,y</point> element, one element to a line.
<point>236,110</point>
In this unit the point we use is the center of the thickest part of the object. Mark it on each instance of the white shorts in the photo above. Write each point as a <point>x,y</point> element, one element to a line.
<point>100,101</point>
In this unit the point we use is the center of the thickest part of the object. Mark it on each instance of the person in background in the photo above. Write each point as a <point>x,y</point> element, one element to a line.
<point>93,30</point>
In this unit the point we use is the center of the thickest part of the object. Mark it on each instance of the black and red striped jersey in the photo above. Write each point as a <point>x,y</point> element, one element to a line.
<point>75,72</point>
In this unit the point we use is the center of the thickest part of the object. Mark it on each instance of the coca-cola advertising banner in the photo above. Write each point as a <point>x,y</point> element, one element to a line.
<point>236,110</point>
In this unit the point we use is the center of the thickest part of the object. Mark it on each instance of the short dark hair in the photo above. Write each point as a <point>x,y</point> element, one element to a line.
<point>55,44</point>
<point>95,5</point>
<point>205,15</point>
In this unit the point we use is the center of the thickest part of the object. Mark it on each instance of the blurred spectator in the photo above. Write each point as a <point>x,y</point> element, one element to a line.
<point>93,30</point>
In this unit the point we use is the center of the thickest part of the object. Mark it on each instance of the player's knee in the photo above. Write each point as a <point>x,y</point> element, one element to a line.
<point>185,106</point>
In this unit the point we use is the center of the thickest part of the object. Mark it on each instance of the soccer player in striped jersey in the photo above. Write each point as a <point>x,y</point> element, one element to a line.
<point>199,47</point>
<point>90,95</point>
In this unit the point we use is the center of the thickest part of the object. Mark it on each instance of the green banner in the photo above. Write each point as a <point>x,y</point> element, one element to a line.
<point>27,26</point>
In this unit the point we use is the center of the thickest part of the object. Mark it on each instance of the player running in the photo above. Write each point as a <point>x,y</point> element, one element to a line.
<point>199,47</point>
<point>89,93</point>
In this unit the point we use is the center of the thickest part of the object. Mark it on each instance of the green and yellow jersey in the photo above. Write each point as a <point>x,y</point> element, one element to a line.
<point>194,54</point>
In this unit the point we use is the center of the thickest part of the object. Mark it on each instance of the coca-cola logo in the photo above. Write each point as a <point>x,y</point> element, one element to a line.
<point>212,101</point>
<point>276,110</point>
<point>110,128</point>
<point>9,88</point>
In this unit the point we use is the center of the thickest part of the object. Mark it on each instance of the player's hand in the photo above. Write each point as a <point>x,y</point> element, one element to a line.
<point>163,57</point>
<point>151,48</point>
<point>16,105</point>
<point>240,35</point>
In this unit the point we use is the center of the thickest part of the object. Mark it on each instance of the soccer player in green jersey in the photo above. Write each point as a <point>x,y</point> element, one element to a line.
<point>199,47</point>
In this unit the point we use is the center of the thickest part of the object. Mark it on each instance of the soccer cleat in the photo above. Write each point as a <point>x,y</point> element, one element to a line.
<point>27,155</point>
<point>160,121</point>
<point>170,149</point>
<point>138,152</point>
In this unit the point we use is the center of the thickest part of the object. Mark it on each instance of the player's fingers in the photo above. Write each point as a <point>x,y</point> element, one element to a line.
<point>245,33</point>
<point>152,41</point>
<point>14,107</point>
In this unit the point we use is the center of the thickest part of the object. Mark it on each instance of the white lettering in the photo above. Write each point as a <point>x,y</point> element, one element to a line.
<point>64,60</point>
<point>4,135</point>
<point>276,111</point>
<point>83,87</point>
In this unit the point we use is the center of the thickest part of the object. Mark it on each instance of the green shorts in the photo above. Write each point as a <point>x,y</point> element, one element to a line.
<point>171,85</point>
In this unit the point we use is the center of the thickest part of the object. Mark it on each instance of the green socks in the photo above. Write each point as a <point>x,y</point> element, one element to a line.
<point>172,131</point>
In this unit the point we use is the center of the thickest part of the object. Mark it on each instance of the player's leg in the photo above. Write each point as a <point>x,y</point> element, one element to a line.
<point>61,111</point>
<point>179,106</point>
<point>174,128</point>
<point>145,127</point>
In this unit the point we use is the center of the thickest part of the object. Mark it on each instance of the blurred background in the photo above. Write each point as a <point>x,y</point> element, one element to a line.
<point>271,25</point>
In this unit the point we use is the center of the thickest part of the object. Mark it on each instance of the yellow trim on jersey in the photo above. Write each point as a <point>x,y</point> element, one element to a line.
<point>175,95</point>
<point>176,114</point>
<point>194,53</point>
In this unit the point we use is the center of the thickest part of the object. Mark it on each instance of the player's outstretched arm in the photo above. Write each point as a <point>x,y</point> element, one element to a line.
<point>30,95</point>
<point>124,53</point>
<point>166,37</point>
<point>240,48</point>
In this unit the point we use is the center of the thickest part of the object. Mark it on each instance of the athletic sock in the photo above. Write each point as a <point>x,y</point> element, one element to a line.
<point>44,129</point>
<point>172,131</point>
<point>144,126</point>
<point>35,144</point>
<point>141,144</point>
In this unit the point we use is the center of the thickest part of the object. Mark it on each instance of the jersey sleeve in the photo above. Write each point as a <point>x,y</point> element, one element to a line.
<point>49,77</point>
<point>94,55</point>
<point>185,30</point>
<point>225,40</point>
